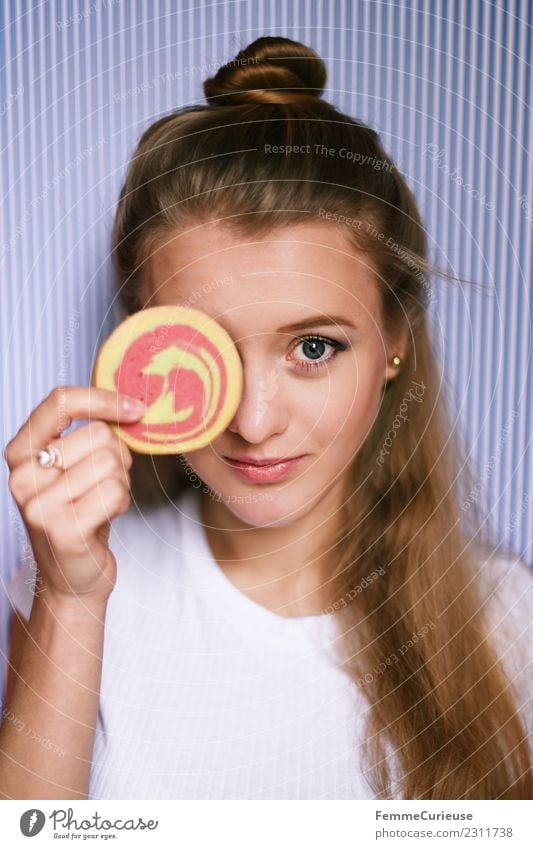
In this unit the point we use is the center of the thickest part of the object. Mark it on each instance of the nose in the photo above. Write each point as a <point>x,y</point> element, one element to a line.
<point>262,412</point>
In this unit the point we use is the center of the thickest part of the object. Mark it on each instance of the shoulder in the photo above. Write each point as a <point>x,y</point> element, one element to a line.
<point>506,583</point>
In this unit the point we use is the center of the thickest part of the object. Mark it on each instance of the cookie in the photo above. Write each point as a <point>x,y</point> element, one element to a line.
<point>184,366</point>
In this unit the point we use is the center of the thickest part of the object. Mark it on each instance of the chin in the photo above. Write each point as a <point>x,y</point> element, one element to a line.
<point>262,506</point>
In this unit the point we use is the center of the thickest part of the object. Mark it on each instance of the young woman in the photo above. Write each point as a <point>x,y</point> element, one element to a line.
<point>300,609</point>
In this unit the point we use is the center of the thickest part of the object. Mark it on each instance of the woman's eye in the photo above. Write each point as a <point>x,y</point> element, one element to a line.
<point>313,350</point>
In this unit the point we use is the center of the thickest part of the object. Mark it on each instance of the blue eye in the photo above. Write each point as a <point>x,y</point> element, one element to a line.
<point>313,347</point>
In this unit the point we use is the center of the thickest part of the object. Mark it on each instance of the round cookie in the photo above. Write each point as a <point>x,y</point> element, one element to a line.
<point>184,366</point>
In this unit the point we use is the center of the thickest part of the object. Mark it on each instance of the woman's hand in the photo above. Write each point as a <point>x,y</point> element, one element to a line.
<point>68,512</point>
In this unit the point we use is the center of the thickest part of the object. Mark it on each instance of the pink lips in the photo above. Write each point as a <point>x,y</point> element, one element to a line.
<point>265,473</point>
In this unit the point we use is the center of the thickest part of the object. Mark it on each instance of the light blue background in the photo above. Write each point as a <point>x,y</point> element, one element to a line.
<point>81,81</point>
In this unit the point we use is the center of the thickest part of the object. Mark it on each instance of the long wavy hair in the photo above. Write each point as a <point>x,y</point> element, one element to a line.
<point>442,719</point>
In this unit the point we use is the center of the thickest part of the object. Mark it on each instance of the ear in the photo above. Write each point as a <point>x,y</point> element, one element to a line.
<point>397,347</point>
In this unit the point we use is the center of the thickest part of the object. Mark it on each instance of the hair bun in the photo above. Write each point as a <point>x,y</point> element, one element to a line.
<point>269,70</point>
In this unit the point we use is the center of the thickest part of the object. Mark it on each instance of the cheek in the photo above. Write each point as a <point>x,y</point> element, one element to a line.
<point>199,462</point>
<point>347,414</point>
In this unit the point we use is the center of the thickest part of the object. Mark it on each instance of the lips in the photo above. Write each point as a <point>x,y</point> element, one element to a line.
<point>265,473</point>
<point>252,461</point>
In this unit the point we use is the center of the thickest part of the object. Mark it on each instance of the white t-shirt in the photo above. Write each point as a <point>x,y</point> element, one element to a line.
<point>207,694</point>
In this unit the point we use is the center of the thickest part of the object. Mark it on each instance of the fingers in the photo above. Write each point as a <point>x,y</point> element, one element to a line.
<point>71,526</point>
<point>91,474</point>
<point>73,483</point>
<point>97,506</point>
<point>95,441</point>
<point>87,440</point>
<point>56,413</point>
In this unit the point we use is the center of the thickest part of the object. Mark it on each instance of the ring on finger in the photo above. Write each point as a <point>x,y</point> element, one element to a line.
<point>50,457</point>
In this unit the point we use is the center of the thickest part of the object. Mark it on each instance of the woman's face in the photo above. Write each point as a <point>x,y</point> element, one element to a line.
<point>304,397</point>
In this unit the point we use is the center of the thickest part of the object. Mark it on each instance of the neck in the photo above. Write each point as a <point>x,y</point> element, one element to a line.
<point>285,569</point>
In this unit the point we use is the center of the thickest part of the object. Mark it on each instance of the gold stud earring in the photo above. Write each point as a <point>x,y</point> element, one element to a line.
<point>396,361</point>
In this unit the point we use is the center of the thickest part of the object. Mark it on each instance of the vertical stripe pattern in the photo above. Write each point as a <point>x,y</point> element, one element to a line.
<point>447,84</point>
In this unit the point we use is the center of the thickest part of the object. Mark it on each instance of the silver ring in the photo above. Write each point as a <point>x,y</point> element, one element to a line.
<point>49,457</point>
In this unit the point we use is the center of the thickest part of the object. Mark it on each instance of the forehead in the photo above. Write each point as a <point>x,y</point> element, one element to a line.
<point>294,271</point>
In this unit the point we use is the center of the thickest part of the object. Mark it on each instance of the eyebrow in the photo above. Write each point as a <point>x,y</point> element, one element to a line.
<point>313,321</point>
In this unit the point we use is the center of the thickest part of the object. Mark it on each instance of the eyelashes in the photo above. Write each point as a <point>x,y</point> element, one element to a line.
<point>315,365</point>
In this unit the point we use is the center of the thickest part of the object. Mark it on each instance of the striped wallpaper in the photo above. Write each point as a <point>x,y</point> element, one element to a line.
<point>447,84</point>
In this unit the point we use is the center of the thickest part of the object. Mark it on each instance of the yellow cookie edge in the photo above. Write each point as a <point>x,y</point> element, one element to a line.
<point>112,350</point>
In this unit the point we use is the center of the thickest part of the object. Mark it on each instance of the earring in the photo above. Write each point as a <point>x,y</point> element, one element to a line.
<point>396,362</point>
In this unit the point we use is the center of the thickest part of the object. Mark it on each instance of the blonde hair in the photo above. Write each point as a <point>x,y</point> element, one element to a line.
<point>404,563</point>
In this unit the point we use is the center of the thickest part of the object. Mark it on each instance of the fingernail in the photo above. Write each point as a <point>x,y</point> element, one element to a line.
<point>133,405</point>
